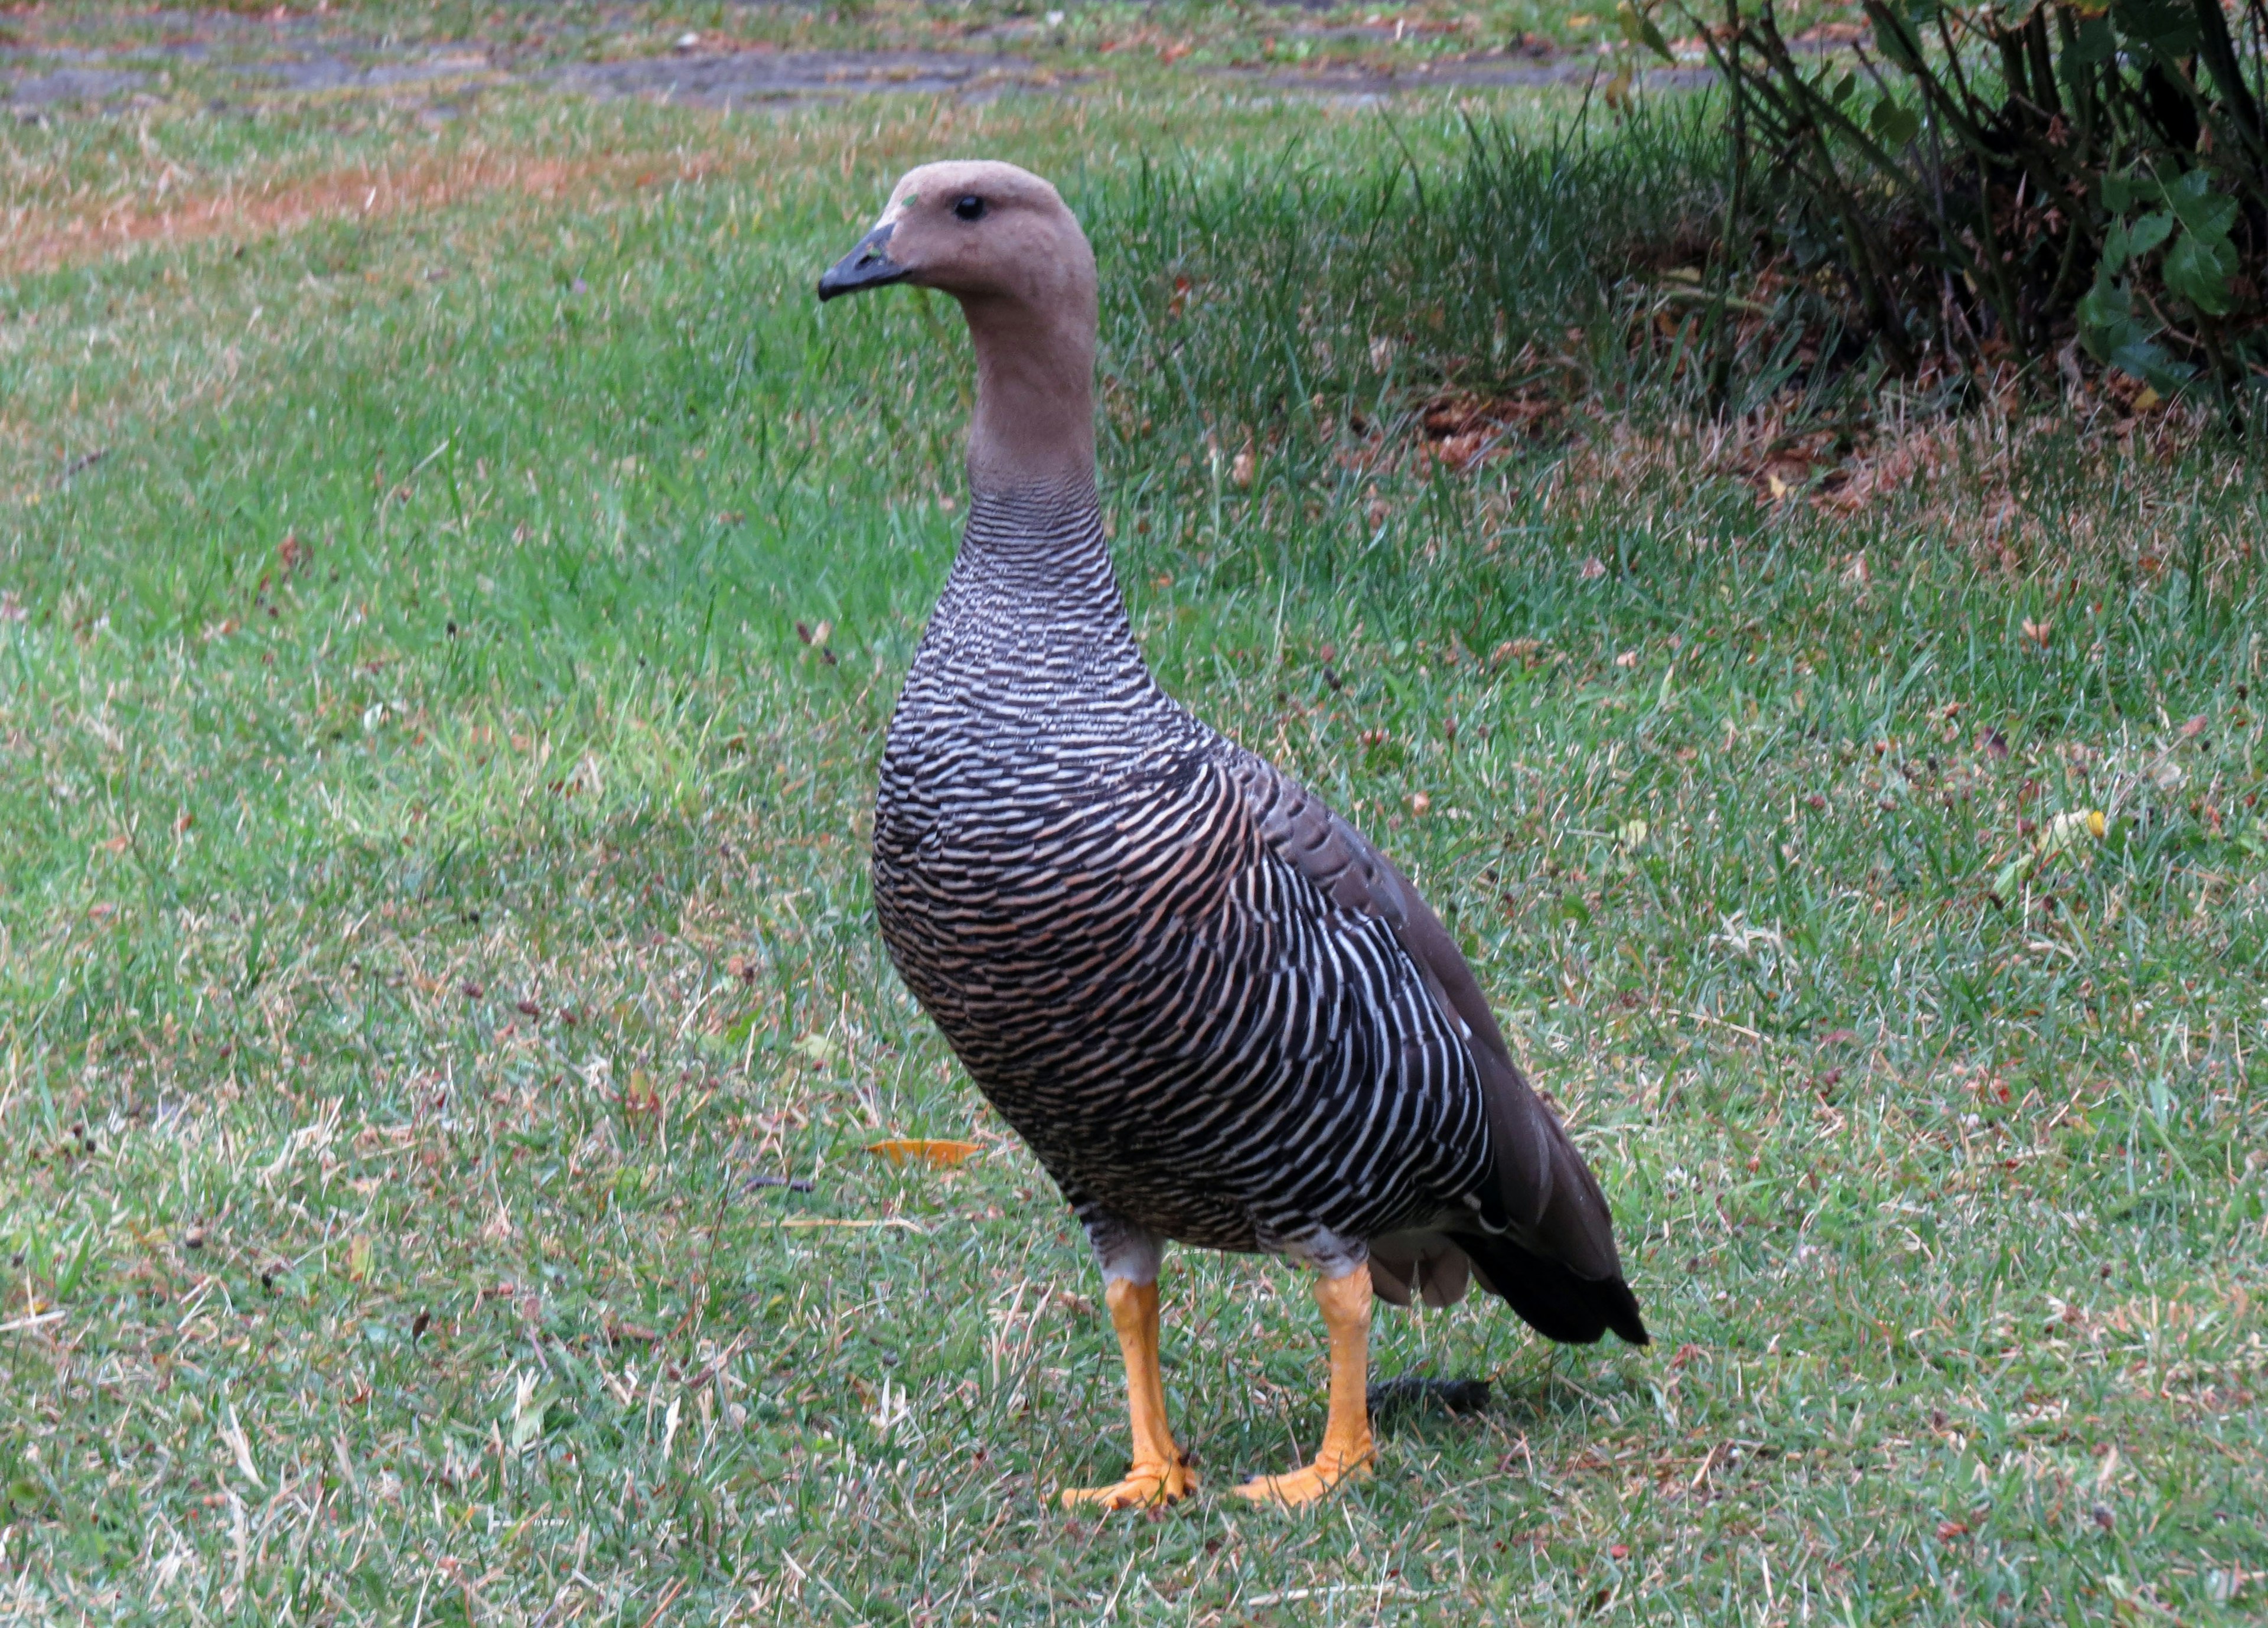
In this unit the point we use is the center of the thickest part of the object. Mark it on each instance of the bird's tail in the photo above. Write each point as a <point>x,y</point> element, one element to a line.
<point>1552,1300</point>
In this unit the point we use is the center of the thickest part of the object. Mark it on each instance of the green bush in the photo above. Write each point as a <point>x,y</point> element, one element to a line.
<point>2035,179</point>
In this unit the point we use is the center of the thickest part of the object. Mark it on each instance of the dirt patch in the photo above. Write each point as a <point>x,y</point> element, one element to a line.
<point>1496,73</point>
<point>726,79</point>
<point>41,240</point>
<point>305,55</point>
<point>34,92</point>
<point>328,70</point>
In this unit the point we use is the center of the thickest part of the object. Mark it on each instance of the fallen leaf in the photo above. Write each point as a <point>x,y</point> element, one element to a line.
<point>941,1155</point>
<point>1628,658</point>
<point>358,1259</point>
<point>2038,632</point>
<point>1420,803</point>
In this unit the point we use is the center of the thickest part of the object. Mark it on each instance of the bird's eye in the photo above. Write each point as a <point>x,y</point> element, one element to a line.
<point>970,208</point>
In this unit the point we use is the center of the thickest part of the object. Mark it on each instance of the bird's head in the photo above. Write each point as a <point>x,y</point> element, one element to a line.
<point>999,241</point>
<point>977,229</point>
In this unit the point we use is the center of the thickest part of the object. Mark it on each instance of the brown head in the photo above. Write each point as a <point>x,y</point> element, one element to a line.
<point>999,241</point>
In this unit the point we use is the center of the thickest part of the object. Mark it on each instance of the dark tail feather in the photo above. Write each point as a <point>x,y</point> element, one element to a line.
<point>1553,1300</point>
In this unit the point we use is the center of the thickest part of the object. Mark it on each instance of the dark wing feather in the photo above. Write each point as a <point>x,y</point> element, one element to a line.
<point>1556,1262</point>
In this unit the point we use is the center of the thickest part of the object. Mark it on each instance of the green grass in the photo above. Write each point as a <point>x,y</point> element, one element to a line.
<point>432,885</point>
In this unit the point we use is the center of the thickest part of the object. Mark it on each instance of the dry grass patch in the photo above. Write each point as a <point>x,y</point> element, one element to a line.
<point>50,237</point>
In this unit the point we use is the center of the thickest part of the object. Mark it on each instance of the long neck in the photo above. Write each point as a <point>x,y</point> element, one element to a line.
<point>1033,428</point>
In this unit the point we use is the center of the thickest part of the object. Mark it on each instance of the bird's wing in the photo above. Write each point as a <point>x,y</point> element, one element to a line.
<point>1546,1194</point>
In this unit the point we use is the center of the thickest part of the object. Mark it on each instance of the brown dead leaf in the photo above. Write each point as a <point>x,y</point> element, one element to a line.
<point>1462,427</point>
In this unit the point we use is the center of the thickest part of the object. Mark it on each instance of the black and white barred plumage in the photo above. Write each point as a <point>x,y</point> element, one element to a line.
<point>1216,1014</point>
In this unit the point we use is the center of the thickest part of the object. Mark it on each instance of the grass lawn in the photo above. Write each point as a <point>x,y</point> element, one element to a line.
<point>452,585</point>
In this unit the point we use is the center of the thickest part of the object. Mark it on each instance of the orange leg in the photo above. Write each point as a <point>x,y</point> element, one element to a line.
<point>1347,1448</point>
<point>1158,1475</point>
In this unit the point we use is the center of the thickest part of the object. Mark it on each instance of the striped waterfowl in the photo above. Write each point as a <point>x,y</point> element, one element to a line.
<point>1216,1013</point>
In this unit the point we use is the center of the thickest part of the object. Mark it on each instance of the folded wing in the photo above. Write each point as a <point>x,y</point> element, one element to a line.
<point>1543,1238</point>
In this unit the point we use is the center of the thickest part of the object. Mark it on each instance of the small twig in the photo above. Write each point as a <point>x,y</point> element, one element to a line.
<point>79,466</point>
<point>791,1184</point>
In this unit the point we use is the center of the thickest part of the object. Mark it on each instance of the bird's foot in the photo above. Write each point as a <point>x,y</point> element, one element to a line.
<point>1146,1487</point>
<point>1305,1487</point>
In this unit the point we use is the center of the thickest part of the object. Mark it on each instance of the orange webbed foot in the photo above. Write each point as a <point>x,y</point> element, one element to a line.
<point>1348,1448</point>
<point>1146,1486</point>
<point>1303,1486</point>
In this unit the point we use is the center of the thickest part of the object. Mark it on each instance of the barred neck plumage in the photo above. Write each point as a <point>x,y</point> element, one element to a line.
<point>1033,604</point>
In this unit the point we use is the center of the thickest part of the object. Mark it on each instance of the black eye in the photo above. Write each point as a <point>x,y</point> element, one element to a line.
<point>970,208</point>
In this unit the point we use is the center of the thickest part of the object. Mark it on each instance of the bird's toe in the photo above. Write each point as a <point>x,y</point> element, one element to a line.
<point>1301,1486</point>
<point>1144,1487</point>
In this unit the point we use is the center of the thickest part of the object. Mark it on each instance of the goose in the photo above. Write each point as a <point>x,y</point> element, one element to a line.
<point>1215,1012</point>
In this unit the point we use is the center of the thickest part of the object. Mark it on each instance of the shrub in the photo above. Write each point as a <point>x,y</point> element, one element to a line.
<point>2029,180</point>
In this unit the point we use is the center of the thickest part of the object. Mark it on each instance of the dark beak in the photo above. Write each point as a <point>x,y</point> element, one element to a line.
<point>867,266</point>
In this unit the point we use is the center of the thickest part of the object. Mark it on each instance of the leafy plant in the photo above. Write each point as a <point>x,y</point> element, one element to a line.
<point>2036,179</point>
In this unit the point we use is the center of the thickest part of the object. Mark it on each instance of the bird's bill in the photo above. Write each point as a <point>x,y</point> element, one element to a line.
<point>867,266</point>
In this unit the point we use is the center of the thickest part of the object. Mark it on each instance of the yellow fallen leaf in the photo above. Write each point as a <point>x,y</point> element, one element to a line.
<point>922,1151</point>
<point>358,1259</point>
<point>2066,829</point>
